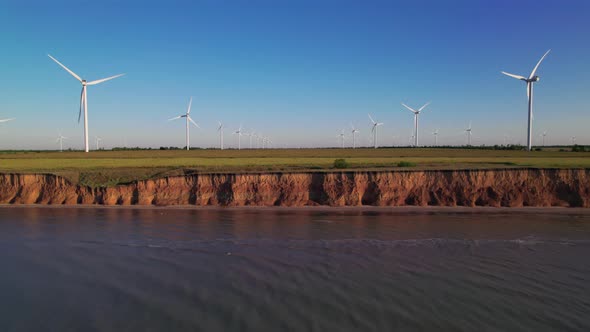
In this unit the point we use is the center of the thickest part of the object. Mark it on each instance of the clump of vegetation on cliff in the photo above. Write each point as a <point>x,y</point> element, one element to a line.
<point>341,163</point>
<point>406,164</point>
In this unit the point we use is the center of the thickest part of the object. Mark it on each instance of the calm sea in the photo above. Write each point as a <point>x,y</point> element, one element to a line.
<point>293,270</point>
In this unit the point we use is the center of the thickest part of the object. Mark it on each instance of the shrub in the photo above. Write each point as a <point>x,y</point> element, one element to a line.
<point>406,164</point>
<point>341,163</point>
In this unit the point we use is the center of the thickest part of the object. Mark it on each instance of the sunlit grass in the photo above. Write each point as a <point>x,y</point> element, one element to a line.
<point>112,167</point>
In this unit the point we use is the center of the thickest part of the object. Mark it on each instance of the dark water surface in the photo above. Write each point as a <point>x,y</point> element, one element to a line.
<point>304,270</point>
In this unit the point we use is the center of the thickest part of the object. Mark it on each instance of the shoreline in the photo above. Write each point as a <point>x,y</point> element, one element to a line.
<point>339,209</point>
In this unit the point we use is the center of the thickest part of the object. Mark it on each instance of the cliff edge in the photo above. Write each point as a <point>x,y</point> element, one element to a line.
<point>497,188</point>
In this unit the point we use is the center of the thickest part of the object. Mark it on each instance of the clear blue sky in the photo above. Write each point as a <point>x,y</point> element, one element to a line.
<point>298,71</point>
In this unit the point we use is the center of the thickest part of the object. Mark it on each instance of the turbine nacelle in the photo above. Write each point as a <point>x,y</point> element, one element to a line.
<point>535,79</point>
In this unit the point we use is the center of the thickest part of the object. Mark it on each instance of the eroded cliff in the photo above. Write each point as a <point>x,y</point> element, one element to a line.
<point>508,187</point>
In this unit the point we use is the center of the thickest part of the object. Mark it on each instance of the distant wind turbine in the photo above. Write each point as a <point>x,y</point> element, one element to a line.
<point>98,139</point>
<point>573,140</point>
<point>220,130</point>
<point>341,139</point>
<point>251,134</point>
<point>435,134</point>
<point>84,97</point>
<point>468,131</point>
<point>60,139</point>
<point>187,118</point>
<point>529,92</point>
<point>374,130</point>
<point>239,133</point>
<point>543,135</point>
<point>354,132</point>
<point>416,113</point>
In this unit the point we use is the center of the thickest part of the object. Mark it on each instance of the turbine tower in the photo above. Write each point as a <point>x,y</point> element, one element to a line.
<point>188,118</point>
<point>220,130</point>
<point>416,113</point>
<point>374,130</point>
<point>529,93</point>
<point>239,133</point>
<point>60,139</point>
<point>354,132</point>
<point>84,97</point>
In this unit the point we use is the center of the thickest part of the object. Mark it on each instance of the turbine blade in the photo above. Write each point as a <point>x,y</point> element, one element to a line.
<point>371,118</point>
<point>66,68</point>
<point>175,118</point>
<point>518,77</point>
<point>104,80</point>
<point>538,63</point>
<point>408,107</point>
<point>190,103</point>
<point>6,120</point>
<point>193,122</point>
<point>421,108</point>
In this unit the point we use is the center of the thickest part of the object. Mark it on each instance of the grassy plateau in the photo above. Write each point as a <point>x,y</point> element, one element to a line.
<point>101,168</point>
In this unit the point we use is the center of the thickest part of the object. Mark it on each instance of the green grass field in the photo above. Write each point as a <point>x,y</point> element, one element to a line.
<point>114,167</point>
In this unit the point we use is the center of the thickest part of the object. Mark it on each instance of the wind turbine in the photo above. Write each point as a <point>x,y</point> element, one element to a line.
<point>187,118</point>
<point>374,130</point>
<point>341,139</point>
<point>435,133</point>
<point>220,130</point>
<point>529,93</point>
<point>543,137</point>
<point>60,139</point>
<point>354,132</point>
<point>250,135</point>
<point>573,140</point>
<point>469,132</point>
<point>98,139</point>
<point>84,97</point>
<point>239,133</point>
<point>416,113</point>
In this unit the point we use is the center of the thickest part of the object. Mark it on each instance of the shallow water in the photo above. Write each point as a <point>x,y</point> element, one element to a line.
<point>296,270</point>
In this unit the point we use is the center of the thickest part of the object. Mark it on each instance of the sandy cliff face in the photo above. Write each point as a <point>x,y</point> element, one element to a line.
<point>514,188</point>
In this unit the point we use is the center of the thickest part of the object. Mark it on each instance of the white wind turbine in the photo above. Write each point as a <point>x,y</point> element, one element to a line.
<point>341,139</point>
<point>529,92</point>
<point>97,139</point>
<point>251,134</point>
<point>84,97</point>
<point>435,134</point>
<point>239,133</point>
<point>354,132</point>
<point>220,130</point>
<point>573,140</point>
<point>374,130</point>
<point>468,131</point>
<point>416,113</point>
<point>543,135</point>
<point>60,140</point>
<point>187,119</point>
